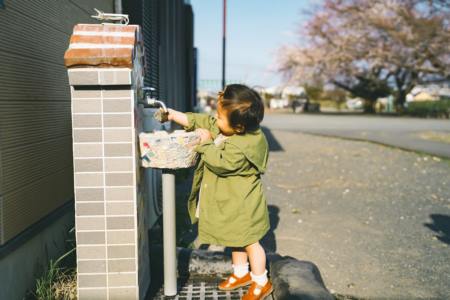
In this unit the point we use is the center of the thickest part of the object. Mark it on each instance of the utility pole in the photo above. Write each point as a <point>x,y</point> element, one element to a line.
<point>224,41</point>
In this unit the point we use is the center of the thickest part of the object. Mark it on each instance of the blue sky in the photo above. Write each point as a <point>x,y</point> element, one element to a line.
<point>255,30</point>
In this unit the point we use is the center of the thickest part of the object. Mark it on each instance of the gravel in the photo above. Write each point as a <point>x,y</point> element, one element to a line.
<point>374,219</point>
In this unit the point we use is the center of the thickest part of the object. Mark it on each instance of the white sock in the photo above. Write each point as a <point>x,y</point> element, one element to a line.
<point>240,270</point>
<point>260,279</point>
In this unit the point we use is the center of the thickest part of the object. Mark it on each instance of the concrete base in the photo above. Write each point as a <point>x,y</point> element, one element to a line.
<point>20,268</point>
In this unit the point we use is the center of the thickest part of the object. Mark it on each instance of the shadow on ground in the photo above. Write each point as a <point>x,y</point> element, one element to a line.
<point>274,145</point>
<point>268,241</point>
<point>441,225</point>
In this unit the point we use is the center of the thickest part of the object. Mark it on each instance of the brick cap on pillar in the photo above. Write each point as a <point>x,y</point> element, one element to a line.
<point>102,45</point>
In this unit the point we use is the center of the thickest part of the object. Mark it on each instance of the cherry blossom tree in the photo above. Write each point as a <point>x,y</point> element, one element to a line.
<point>372,48</point>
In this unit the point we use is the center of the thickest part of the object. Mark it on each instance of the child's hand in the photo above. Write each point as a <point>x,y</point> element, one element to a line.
<point>205,135</point>
<point>161,115</point>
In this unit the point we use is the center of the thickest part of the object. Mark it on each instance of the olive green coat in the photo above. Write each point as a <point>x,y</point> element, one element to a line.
<point>233,209</point>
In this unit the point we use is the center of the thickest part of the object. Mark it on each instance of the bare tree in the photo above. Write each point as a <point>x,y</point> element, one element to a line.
<point>372,48</point>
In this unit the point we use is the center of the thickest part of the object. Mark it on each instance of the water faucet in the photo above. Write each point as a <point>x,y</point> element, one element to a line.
<point>153,102</point>
<point>162,115</point>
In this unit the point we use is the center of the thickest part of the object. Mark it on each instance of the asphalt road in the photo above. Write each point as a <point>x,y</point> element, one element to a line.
<point>374,219</point>
<point>403,132</point>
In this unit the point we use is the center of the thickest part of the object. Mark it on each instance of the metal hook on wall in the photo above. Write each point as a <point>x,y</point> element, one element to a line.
<point>123,19</point>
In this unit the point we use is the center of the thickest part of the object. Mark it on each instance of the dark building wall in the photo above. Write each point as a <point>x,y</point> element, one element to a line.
<point>35,122</point>
<point>168,36</point>
<point>168,27</point>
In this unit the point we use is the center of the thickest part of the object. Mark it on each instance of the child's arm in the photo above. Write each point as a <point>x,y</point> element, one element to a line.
<point>223,161</point>
<point>192,121</point>
<point>178,117</point>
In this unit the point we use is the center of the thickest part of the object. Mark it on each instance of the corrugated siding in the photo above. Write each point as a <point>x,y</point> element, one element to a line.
<point>150,26</point>
<point>36,173</point>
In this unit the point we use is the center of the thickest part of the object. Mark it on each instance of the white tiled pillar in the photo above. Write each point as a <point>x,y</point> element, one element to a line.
<point>105,74</point>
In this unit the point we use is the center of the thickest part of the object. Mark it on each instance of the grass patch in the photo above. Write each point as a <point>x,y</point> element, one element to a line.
<point>59,281</point>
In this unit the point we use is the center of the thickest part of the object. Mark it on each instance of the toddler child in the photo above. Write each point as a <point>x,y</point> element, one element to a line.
<point>231,209</point>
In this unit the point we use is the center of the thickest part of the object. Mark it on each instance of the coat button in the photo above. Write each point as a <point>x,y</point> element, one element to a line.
<point>206,185</point>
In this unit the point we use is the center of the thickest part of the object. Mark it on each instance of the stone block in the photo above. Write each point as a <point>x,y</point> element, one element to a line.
<point>127,251</point>
<point>119,279</point>
<point>88,165</point>
<point>86,281</point>
<point>119,179</point>
<point>88,179</point>
<point>90,238</point>
<point>87,150</point>
<point>92,294</point>
<point>90,223</point>
<point>117,106</point>
<point>118,135</point>
<point>83,76</point>
<point>120,223</point>
<point>91,252</point>
<point>120,208</point>
<point>116,150</point>
<point>89,194</point>
<point>122,120</point>
<point>127,293</point>
<point>78,93</point>
<point>86,106</point>
<point>87,135</point>
<point>118,164</point>
<point>294,279</point>
<point>113,93</point>
<point>89,209</point>
<point>120,237</point>
<point>121,265</point>
<point>91,266</point>
<point>120,76</point>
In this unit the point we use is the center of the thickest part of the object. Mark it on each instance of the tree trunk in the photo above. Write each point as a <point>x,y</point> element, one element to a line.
<point>369,106</point>
<point>400,100</point>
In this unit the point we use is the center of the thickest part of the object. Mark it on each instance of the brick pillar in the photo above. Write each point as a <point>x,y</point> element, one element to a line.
<point>105,75</point>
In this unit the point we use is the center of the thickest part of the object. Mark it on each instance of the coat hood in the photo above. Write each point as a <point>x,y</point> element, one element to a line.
<point>254,146</point>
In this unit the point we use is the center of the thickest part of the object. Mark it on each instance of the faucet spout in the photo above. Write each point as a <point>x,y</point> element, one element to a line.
<point>153,102</point>
<point>150,101</point>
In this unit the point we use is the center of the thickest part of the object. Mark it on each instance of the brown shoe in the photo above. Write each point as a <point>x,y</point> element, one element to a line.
<point>257,292</point>
<point>233,282</point>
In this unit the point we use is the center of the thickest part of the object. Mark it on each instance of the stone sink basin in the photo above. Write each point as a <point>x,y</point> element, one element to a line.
<point>164,150</point>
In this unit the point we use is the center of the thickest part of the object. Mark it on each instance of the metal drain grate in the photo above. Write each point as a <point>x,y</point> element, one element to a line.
<point>203,290</point>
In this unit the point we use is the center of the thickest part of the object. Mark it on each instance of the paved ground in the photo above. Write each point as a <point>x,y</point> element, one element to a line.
<point>375,219</point>
<point>426,135</point>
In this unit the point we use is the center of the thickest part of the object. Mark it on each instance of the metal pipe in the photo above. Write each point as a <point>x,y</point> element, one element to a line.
<point>169,233</point>
<point>224,38</point>
<point>118,6</point>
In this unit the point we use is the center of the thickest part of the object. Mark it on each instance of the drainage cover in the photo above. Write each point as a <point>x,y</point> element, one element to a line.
<point>195,289</point>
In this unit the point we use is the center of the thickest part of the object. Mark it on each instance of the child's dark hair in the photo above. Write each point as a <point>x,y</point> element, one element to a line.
<point>244,107</point>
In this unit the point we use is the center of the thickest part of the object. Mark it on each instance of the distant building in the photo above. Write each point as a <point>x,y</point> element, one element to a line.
<point>429,92</point>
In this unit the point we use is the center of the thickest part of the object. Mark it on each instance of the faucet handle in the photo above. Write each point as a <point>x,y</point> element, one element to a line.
<point>148,89</point>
